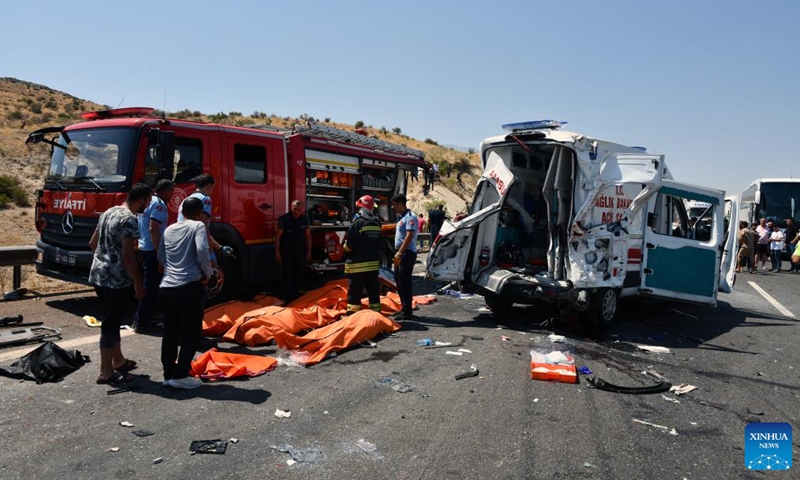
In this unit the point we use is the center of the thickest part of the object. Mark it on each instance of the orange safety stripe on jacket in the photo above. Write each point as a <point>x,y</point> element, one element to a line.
<point>317,344</point>
<point>216,365</point>
<point>220,318</point>
<point>256,327</point>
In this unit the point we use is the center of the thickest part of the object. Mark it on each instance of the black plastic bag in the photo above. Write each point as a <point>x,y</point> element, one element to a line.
<point>48,363</point>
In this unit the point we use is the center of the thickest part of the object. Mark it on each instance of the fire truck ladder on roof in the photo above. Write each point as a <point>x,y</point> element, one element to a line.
<point>336,134</point>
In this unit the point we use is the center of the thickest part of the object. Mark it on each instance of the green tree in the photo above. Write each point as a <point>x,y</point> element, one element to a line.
<point>397,130</point>
<point>359,124</point>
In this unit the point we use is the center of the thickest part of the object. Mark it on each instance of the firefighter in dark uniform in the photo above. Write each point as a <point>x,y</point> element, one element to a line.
<point>363,246</point>
<point>293,248</point>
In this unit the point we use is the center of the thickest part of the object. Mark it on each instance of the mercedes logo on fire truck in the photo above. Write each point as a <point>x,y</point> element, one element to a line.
<point>68,223</point>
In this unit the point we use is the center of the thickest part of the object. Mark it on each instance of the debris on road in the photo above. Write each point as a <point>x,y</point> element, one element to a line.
<point>472,372</point>
<point>673,400</point>
<point>396,385</point>
<point>123,389</point>
<point>683,313</point>
<point>464,350</point>
<point>754,411</point>
<point>234,440</point>
<point>505,338</point>
<point>91,321</point>
<point>113,449</point>
<point>143,433</point>
<point>584,370</point>
<point>14,295</point>
<point>457,294</point>
<point>209,446</point>
<point>653,349</point>
<point>553,338</point>
<point>588,465</point>
<point>282,413</point>
<point>663,385</point>
<point>662,427</point>
<point>369,448</point>
<point>126,424</point>
<point>309,455</point>
<point>47,363</point>
<point>558,365</point>
<point>158,460</point>
<point>450,352</point>
<point>681,389</point>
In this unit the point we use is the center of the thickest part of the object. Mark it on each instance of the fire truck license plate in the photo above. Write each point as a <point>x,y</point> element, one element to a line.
<point>65,259</point>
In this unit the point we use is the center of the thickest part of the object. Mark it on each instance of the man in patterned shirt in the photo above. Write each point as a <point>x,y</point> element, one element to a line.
<point>113,272</point>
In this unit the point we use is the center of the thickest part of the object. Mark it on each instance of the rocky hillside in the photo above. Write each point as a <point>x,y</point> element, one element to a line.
<point>26,106</point>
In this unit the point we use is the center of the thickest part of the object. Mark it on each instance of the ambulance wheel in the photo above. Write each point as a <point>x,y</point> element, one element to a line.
<point>498,304</point>
<point>603,308</point>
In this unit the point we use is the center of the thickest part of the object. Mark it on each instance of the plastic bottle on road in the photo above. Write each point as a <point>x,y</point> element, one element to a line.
<point>425,342</point>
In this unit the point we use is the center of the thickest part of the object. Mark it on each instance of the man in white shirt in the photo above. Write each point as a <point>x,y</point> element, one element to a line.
<point>776,248</point>
<point>187,267</point>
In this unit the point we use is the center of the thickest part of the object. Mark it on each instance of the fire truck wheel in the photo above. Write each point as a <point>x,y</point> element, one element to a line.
<point>497,303</point>
<point>227,282</point>
<point>603,309</point>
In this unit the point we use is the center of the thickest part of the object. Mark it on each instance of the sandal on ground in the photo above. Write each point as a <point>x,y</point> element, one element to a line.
<point>127,366</point>
<point>117,377</point>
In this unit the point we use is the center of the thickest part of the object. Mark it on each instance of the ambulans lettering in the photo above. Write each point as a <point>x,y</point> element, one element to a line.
<point>501,186</point>
<point>69,204</point>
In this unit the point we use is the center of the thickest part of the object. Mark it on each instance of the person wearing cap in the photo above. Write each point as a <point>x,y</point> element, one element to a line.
<point>363,247</point>
<point>293,248</point>
<point>405,243</point>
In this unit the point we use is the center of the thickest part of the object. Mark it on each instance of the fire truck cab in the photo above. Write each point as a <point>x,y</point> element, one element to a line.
<point>258,171</point>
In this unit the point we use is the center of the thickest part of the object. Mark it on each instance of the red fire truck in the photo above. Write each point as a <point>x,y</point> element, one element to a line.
<point>258,170</point>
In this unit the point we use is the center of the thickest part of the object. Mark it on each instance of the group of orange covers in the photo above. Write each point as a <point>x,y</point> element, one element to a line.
<point>320,313</point>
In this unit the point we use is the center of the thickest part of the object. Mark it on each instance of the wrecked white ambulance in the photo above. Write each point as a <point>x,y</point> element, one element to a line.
<point>567,219</point>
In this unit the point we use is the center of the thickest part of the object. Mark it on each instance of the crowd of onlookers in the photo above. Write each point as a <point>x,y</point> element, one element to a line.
<point>766,240</point>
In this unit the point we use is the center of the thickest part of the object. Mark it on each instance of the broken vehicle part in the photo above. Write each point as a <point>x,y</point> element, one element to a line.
<point>663,385</point>
<point>208,446</point>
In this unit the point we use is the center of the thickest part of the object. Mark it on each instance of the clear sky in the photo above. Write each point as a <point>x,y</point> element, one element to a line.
<point>712,84</point>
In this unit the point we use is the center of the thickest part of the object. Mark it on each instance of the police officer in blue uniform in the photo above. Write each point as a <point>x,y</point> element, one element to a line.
<point>405,243</point>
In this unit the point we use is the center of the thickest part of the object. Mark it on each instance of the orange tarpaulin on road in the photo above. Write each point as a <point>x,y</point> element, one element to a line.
<point>256,327</point>
<point>349,331</point>
<point>220,318</point>
<point>332,295</point>
<point>216,365</point>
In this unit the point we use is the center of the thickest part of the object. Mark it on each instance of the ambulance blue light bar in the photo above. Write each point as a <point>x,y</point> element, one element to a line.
<point>532,125</point>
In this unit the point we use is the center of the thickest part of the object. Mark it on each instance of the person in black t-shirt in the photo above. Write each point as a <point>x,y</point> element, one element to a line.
<point>791,241</point>
<point>436,219</point>
<point>293,248</point>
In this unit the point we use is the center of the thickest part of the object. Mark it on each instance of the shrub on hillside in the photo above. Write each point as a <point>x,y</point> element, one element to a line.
<point>11,191</point>
<point>359,124</point>
<point>51,104</point>
<point>431,141</point>
<point>36,108</point>
<point>15,115</point>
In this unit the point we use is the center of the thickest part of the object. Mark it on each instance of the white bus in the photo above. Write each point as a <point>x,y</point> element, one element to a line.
<point>775,199</point>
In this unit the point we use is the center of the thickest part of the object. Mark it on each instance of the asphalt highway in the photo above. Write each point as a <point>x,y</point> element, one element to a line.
<point>397,411</point>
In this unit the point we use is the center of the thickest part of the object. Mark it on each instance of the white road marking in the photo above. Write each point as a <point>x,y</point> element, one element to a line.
<point>66,344</point>
<point>771,300</point>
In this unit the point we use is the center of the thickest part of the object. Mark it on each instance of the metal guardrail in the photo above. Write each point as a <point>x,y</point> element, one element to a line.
<point>16,257</point>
